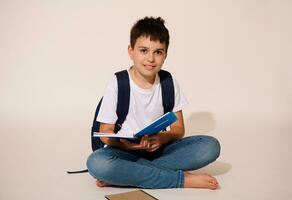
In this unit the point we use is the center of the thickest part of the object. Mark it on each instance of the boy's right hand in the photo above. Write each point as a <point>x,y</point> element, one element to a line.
<point>144,144</point>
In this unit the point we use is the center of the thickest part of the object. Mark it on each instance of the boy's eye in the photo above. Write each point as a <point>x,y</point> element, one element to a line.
<point>159,52</point>
<point>143,50</point>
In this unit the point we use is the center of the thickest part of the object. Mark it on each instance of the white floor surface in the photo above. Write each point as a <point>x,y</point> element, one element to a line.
<point>255,163</point>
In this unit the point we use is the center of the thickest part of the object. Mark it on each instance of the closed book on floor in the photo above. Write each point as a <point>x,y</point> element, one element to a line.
<point>133,195</point>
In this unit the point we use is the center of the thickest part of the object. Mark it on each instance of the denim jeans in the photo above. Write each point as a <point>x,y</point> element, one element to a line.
<point>160,169</point>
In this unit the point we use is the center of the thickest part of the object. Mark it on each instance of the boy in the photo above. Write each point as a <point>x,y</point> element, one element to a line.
<point>162,160</point>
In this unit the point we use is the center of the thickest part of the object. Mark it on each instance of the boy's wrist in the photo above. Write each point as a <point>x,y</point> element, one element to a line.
<point>164,137</point>
<point>113,142</point>
<point>169,136</point>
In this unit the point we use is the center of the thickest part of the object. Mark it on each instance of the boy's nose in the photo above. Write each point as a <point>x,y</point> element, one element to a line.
<point>150,57</point>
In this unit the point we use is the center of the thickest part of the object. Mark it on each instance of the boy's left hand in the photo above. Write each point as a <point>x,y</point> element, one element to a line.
<point>147,143</point>
<point>156,141</point>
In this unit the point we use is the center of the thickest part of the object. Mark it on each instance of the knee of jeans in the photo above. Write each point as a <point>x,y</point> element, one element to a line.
<point>98,165</point>
<point>213,148</point>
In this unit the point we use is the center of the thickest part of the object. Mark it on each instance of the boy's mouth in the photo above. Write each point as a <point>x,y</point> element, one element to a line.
<point>149,67</point>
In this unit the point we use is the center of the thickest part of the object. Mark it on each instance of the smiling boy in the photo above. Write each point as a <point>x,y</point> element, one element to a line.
<point>162,160</point>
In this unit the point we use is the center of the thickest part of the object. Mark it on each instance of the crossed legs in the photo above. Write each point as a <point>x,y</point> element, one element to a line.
<point>112,166</point>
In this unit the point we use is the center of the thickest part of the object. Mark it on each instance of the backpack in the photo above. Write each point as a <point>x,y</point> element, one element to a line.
<point>123,102</point>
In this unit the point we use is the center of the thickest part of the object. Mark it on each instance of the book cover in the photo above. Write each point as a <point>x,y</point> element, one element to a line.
<point>133,195</point>
<point>153,128</point>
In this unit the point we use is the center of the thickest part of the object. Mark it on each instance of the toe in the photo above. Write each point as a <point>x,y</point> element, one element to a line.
<point>99,183</point>
<point>213,183</point>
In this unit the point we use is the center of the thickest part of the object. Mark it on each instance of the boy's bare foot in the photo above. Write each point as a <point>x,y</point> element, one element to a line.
<point>100,183</point>
<point>200,181</point>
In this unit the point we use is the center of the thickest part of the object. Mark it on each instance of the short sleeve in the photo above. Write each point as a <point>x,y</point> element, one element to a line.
<point>180,99</point>
<point>107,113</point>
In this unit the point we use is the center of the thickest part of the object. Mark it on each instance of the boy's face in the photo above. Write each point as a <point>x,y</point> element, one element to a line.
<point>148,56</point>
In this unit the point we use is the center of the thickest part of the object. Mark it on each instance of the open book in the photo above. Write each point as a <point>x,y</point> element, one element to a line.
<point>153,128</point>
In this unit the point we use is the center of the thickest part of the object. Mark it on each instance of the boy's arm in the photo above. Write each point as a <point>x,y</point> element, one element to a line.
<point>177,129</point>
<point>109,128</point>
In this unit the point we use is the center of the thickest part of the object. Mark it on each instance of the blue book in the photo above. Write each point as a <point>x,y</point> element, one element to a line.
<point>153,128</point>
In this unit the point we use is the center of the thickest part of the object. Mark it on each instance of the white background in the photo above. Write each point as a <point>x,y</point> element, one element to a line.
<point>232,59</point>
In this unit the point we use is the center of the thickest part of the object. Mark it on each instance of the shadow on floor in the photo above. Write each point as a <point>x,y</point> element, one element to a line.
<point>200,122</point>
<point>216,168</point>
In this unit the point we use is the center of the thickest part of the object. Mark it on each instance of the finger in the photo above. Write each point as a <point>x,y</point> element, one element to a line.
<point>145,142</point>
<point>154,147</point>
<point>149,145</point>
<point>145,138</point>
<point>142,143</point>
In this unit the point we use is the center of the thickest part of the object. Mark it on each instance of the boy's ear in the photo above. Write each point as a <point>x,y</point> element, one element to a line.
<point>130,51</point>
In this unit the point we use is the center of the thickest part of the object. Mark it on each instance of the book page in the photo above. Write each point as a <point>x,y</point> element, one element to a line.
<point>112,135</point>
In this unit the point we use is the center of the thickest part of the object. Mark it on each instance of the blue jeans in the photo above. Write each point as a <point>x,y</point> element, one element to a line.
<point>160,169</point>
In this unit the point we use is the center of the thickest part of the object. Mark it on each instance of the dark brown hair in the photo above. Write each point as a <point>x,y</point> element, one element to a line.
<point>150,27</point>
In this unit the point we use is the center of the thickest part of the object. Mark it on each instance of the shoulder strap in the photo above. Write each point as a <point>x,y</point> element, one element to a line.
<point>123,98</point>
<point>122,109</point>
<point>96,143</point>
<point>167,89</point>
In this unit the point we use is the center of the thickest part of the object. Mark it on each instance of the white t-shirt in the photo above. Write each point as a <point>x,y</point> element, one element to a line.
<point>145,105</point>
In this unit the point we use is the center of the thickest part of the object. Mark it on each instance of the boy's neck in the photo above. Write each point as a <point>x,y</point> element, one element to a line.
<point>144,82</point>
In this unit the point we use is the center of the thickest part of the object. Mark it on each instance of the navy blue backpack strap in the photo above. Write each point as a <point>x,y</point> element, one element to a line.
<point>96,143</point>
<point>167,90</point>
<point>122,109</point>
<point>123,102</point>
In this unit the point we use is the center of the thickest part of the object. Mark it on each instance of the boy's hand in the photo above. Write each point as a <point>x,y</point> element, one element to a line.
<point>142,145</point>
<point>147,143</point>
<point>156,141</point>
